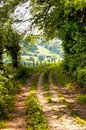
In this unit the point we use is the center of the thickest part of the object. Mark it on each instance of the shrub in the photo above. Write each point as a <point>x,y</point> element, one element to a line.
<point>9,86</point>
<point>24,72</point>
<point>6,98</point>
<point>81,99</point>
<point>81,76</point>
<point>35,117</point>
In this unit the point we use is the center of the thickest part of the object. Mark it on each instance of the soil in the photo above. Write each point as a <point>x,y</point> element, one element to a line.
<point>18,121</point>
<point>57,113</point>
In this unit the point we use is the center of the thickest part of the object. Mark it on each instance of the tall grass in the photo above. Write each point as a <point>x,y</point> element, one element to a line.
<point>35,116</point>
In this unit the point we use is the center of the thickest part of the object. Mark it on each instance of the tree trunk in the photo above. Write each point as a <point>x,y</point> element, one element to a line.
<point>1,59</point>
<point>15,60</point>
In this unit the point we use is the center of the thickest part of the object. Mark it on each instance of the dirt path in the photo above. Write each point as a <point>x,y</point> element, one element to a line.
<point>47,109</point>
<point>57,112</point>
<point>18,121</point>
<point>70,96</point>
<point>63,112</point>
<point>58,115</point>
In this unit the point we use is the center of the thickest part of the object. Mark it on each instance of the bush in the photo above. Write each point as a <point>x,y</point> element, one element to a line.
<point>81,76</point>
<point>9,86</point>
<point>10,83</point>
<point>24,72</point>
<point>81,99</point>
<point>5,97</point>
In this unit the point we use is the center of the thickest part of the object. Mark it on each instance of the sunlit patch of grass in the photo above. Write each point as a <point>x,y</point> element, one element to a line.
<point>49,99</point>
<point>69,86</point>
<point>2,124</point>
<point>61,97</point>
<point>81,98</point>
<point>46,87</point>
<point>35,117</point>
<point>80,121</point>
<point>60,76</point>
<point>47,94</point>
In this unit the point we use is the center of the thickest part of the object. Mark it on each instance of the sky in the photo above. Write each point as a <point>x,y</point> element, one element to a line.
<point>22,12</point>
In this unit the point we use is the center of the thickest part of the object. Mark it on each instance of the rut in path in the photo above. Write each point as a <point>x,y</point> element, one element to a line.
<point>18,121</point>
<point>47,109</point>
<point>63,112</point>
<point>58,115</point>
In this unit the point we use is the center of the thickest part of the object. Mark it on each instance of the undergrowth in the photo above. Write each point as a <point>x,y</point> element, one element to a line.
<point>81,98</point>
<point>60,76</point>
<point>46,85</point>
<point>35,116</point>
<point>11,81</point>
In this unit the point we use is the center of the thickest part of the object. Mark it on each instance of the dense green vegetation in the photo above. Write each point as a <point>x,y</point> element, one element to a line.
<point>66,19</point>
<point>11,81</point>
<point>9,37</point>
<point>81,98</point>
<point>36,119</point>
<point>9,86</point>
<point>61,76</point>
<point>35,116</point>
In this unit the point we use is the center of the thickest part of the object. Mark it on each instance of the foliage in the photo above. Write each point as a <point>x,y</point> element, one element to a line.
<point>81,76</point>
<point>46,80</point>
<point>31,38</point>
<point>2,124</point>
<point>9,38</point>
<point>81,98</point>
<point>35,116</point>
<point>10,43</point>
<point>10,84</point>
<point>60,76</point>
<point>41,57</point>
<point>66,19</point>
<point>7,92</point>
<point>80,121</point>
<point>24,73</point>
<point>46,73</point>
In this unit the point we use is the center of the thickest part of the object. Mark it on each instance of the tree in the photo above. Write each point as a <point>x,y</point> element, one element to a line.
<point>10,41</point>
<point>41,58</point>
<point>12,44</point>
<point>65,19</point>
<point>9,38</point>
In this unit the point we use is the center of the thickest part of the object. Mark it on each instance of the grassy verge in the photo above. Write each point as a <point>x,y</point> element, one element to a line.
<point>2,124</point>
<point>46,86</point>
<point>35,116</point>
<point>81,99</point>
<point>60,76</point>
<point>11,81</point>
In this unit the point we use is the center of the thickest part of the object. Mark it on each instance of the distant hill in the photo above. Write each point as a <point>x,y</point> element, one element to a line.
<point>42,52</point>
